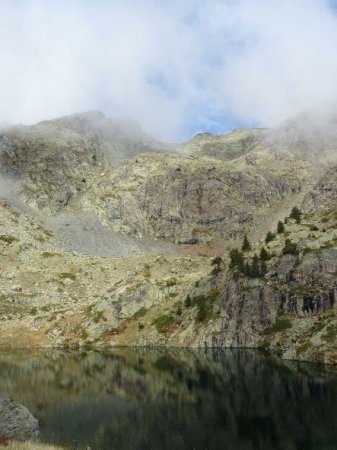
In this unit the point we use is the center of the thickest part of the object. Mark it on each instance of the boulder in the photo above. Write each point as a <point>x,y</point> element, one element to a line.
<point>16,422</point>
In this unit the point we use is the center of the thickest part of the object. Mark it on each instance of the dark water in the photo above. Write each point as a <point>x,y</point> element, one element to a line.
<point>179,399</point>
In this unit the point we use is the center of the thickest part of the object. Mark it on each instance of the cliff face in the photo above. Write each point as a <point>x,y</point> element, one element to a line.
<point>99,251</point>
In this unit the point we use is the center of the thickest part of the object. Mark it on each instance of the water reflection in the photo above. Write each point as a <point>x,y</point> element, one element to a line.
<point>177,399</point>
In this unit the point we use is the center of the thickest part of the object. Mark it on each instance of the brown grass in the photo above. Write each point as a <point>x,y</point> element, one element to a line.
<point>28,446</point>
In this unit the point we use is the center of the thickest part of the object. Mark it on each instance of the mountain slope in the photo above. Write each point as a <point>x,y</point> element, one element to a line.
<point>98,249</point>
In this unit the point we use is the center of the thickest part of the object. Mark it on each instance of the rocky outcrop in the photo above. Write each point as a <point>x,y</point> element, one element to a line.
<point>16,422</point>
<point>324,193</point>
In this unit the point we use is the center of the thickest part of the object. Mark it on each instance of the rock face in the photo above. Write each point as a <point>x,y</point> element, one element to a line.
<point>323,193</point>
<point>16,422</point>
<point>55,160</point>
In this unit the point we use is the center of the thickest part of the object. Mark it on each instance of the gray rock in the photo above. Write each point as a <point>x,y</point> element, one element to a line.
<point>16,422</point>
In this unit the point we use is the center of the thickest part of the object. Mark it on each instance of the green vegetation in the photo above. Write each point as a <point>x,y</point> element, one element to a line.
<point>141,326</point>
<point>264,255</point>
<point>263,268</point>
<point>140,313</point>
<point>204,303</point>
<point>269,237</point>
<point>279,325</point>
<point>98,316</point>
<point>47,255</point>
<point>162,323</point>
<point>171,282</point>
<point>255,270</point>
<point>331,334</point>
<point>290,248</point>
<point>8,239</point>
<point>69,275</point>
<point>280,227</point>
<point>246,246</point>
<point>33,311</point>
<point>188,301</point>
<point>304,346</point>
<point>236,260</point>
<point>217,262</point>
<point>84,334</point>
<point>296,214</point>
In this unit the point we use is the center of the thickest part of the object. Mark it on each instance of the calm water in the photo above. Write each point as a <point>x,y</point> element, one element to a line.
<point>179,399</point>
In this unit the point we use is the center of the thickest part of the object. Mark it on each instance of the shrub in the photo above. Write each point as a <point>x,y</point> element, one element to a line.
<point>279,325</point>
<point>162,323</point>
<point>140,313</point>
<point>171,282</point>
<point>47,255</point>
<point>8,239</point>
<point>313,228</point>
<point>68,275</point>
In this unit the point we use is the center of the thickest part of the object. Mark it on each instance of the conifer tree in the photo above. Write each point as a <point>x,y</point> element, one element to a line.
<point>264,255</point>
<point>280,227</point>
<point>290,248</point>
<point>269,237</point>
<point>188,301</point>
<point>217,263</point>
<point>246,244</point>
<point>247,269</point>
<point>296,214</point>
<point>263,268</point>
<point>236,258</point>
<point>255,270</point>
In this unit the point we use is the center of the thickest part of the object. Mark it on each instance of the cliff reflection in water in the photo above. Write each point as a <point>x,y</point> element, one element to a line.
<point>174,399</point>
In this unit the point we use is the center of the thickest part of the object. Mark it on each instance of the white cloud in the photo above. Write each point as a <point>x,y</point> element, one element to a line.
<point>172,65</point>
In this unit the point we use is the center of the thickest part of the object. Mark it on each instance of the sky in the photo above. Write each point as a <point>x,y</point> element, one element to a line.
<point>178,67</point>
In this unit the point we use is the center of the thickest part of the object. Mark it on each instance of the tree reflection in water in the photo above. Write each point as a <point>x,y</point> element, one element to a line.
<point>174,399</point>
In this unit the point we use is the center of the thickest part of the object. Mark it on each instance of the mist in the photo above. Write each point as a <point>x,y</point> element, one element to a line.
<point>176,67</point>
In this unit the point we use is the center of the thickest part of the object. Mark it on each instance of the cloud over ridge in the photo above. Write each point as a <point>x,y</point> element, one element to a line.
<point>176,67</point>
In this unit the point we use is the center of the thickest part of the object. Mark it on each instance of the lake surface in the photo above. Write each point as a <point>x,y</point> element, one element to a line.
<point>174,399</point>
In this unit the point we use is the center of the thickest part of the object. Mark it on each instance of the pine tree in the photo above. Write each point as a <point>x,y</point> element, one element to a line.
<point>263,268</point>
<point>280,227</point>
<point>247,269</point>
<point>255,270</point>
<point>264,255</point>
<point>188,301</point>
<point>236,258</point>
<point>290,248</point>
<point>296,214</point>
<point>246,244</point>
<point>269,237</point>
<point>217,263</point>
